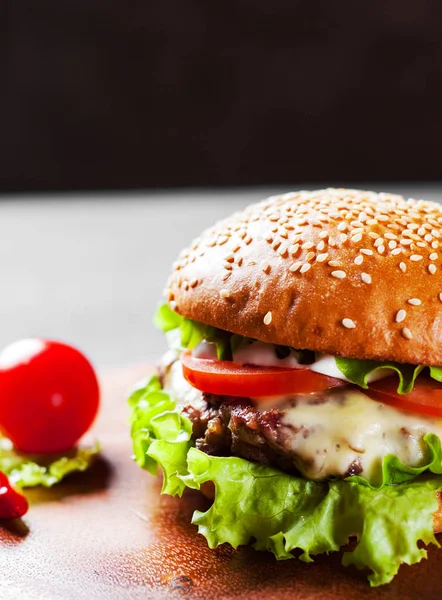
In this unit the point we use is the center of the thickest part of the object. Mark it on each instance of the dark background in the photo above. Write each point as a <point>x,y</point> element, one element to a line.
<point>102,94</point>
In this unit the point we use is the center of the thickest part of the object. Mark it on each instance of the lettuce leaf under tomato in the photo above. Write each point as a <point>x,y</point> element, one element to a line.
<point>27,470</point>
<point>279,512</point>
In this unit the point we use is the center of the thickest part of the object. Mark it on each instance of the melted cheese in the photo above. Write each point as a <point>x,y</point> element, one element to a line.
<point>349,428</point>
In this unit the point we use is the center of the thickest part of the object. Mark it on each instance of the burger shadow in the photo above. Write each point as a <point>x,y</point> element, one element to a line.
<point>95,479</point>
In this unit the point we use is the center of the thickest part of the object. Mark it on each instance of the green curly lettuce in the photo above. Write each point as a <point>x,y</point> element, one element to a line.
<point>278,512</point>
<point>359,371</point>
<point>27,470</point>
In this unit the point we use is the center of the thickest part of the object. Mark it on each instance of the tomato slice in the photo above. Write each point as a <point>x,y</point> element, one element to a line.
<point>226,378</point>
<point>425,398</point>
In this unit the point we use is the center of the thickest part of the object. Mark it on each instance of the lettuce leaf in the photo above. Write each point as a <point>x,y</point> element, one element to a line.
<point>279,512</point>
<point>27,470</point>
<point>358,372</point>
<point>193,333</point>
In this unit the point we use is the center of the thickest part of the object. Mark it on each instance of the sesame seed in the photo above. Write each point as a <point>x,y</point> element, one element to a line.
<point>416,257</point>
<point>428,237</point>
<point>308,245</point>
<point>348,323</point>
<point>236,248</point>
<point>414,301</point>
<point>372,222</point>
<point>366,251</point>
<point>343,238</point>
<point>381,249</point>
<point>396,251</point>
<point>342,226</point>
<point>268,318</point>
<point>283,251</point>
<point>305,267</point>
<point>173,304</point>
<point>357,237</point>
<point>295,266</point>
<point>433,256</point>
<point>365,277</point>
<point>359,260</point>
<point>440,297</point>
<point>310,256</point>
<point>294,249</point>
<point>320,246</point>
<point>323,234</point>
<point>435,244</point>
<point>222,240</point>
<point>421,244</point>
<point>403,267</point>
<point>339,274</point>
<point>378,242</point>
<point>392,244</point>
<point>406,242</point>
<point>224,293</point>
<point>400,315</point>
<point>373,234</point>
<point>407,333</point>
<point>334,263</point>
<point>331,242</point>
<point>322,257</point>
<point>229,258</point>
<point>432,269</point>
<point>193,283</point>
<point>390,236</point>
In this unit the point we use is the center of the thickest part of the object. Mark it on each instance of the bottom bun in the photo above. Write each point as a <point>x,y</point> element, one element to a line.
<point>208,490</point>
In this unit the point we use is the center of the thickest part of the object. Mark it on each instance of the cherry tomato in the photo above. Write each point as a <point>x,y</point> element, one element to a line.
<point>49,395</point>
<point>227,378</point>
<point>12,504</point>
<point>425,398</point>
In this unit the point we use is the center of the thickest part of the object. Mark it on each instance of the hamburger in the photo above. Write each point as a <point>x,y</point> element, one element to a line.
<point>302,389</point>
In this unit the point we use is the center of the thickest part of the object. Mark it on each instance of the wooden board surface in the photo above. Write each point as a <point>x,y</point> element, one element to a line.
<point>108,534</point>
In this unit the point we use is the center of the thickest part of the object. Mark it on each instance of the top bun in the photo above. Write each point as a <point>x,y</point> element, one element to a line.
<point>345,272</point>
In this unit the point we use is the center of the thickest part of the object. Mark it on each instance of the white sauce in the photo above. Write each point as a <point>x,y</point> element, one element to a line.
<point>263,355</point>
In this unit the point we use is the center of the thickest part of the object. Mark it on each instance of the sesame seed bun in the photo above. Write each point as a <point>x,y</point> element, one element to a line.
<point>345,272</point>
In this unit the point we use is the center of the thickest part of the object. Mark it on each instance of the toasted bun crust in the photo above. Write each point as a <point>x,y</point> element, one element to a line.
<point>345,272</point>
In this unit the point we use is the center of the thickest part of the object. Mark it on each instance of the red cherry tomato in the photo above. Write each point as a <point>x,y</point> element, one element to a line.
<point>49,395</point>
<point>12,504</point>
<point>227,378</point>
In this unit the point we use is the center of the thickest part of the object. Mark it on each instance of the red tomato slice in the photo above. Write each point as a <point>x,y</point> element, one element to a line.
<point>226,378</point>
<point>425,398</point>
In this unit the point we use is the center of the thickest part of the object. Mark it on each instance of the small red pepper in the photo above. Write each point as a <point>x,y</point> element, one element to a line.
<point>12,504</point>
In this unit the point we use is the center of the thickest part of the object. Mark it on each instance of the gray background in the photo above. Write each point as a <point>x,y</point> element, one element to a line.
<point>90,270</point>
